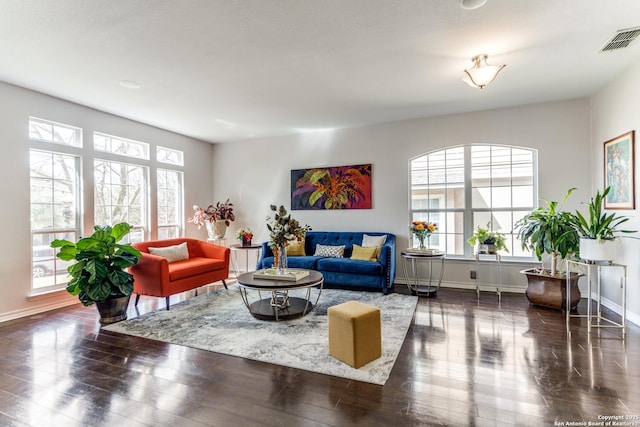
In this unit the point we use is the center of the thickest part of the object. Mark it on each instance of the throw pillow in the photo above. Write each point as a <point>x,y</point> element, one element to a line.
<point>377,241</point>
<point>172,253</point>
<point>364,254</point>
<point>296,248</point>
<point>330,251</point>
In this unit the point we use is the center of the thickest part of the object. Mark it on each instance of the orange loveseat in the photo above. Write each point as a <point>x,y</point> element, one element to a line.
<point>155,276</point>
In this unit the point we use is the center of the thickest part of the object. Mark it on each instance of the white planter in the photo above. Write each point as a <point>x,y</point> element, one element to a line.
<point>598,250</point>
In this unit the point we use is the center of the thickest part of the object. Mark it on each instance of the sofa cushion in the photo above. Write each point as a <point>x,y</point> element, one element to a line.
<point>346,265</point>
<point>172,253</point>
<point>193,267</point>
<point>330,251</point>
<point>364,254</point>
<point>306,262</point>
<point>377,241</point>
<point>296,248</point>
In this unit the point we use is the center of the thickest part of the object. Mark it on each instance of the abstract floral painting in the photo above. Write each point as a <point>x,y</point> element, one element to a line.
<point>618,172</point>
<point>336,187</point>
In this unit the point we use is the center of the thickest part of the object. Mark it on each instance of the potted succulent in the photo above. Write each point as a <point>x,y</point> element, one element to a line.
<point>598,231</point>
<point>486,241</point>
<point>550,230</point>
<point>99,274</point>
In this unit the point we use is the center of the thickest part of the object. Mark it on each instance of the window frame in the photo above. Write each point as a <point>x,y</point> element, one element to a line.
<point>466,215</point>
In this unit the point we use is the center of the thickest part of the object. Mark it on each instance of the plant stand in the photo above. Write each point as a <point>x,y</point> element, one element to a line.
<point>601,322</point>
<point>498,271</point>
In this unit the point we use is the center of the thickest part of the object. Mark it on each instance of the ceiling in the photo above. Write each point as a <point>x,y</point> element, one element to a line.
<point>231,70</point>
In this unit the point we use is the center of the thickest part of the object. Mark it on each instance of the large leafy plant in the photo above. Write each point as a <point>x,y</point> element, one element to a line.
<point>600,225</point>
<point>99,272</point>
<point>549,230</point>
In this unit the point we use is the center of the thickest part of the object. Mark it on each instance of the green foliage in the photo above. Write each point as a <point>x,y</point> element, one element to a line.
<point>283,228</point>
<point>600,224</point>
<point>549,230</point>
<point>484,236</point>
<point>99,271</point>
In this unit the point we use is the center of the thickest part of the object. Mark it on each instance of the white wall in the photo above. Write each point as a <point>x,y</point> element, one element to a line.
<point>257,174</point>
<point>16,105</point>
<point>614,112</point>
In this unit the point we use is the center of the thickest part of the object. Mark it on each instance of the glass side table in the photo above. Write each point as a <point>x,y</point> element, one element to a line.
<point>235,249</point>
<point>411,258</point>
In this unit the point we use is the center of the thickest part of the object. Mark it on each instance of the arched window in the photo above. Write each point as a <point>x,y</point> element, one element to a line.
<point>460,188</point>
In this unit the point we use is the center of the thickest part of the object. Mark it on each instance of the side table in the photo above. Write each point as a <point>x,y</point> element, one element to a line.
<point>235,249</point>
<point>412,257</point>
<point>499,272</point>
<point>598,266</point>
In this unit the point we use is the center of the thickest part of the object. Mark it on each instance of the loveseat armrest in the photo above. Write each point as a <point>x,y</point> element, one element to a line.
<point>150,275</point>
<point>209,250</point>
<point>388,259</point>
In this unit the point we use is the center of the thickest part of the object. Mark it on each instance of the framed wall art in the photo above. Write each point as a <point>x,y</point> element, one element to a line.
<point>336,187</point>
<point>619,172</point>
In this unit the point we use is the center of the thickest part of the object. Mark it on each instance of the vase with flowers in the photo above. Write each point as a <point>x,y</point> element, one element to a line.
<point>216,218</point>
<point>245,235</point>
<point>282,230</point>
<point>422,230</point>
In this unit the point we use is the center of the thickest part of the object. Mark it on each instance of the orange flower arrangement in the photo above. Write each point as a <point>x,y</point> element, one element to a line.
<point>422,230</point>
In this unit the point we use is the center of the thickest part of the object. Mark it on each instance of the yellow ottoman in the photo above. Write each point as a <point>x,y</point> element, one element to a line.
<point>354,333</point>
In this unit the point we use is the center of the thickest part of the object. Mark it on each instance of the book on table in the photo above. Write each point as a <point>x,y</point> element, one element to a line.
<point>272,274</point>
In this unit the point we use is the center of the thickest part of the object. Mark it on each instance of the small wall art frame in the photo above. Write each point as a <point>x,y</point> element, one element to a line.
<point>335,187</point>
<point>619,167</point>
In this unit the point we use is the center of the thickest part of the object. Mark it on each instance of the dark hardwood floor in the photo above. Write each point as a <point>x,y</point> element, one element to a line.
<point>464,362</point>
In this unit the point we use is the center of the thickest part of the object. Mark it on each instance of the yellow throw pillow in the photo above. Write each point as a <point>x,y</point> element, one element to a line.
<point>296,248</point>
<point>364,253</point>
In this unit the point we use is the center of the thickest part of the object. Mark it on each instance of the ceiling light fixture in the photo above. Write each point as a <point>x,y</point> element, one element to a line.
<point>481,74</point>
<point>472,4</point>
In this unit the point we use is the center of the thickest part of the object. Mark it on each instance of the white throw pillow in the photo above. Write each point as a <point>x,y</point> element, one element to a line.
<point>330,251</point>
<point>378,241</point>
<point>172,253</point>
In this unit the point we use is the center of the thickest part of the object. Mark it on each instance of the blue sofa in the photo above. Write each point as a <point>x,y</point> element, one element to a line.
<point>343,272</point>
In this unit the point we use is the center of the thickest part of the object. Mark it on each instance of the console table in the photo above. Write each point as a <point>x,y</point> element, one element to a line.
<point>591,267</point>
<point>411,257</point>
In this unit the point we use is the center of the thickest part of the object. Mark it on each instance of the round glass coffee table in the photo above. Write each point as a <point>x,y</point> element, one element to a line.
<point>280,305</point>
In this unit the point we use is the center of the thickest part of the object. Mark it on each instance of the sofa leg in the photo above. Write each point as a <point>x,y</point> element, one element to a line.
<point>196,291</point>
<point>167,300</point>
<point>137,299</point>
<point>225,284</point>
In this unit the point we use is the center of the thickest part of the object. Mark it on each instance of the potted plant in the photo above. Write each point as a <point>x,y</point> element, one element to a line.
<point>550,230</point>
<point>245,235</point>
<point>99,274</point>
<point>598,239</point>
<point>282,230</point>
<point>485,241</point>
<point>216,218</point>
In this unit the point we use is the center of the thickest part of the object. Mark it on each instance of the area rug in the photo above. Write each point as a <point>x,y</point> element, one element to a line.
<point>220,322</point>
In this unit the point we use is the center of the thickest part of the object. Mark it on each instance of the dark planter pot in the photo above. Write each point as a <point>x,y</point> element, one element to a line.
<point>113,310</point>
<point>551,291</point>
<point>246,242</point>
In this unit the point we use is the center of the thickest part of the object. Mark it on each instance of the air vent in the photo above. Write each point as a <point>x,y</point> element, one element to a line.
<point>621,39</point>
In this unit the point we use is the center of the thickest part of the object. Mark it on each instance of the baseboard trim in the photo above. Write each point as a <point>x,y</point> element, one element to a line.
<point>39,309</point>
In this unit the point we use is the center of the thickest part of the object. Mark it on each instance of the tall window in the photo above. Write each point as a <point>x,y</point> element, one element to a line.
<point>169,203</point>
<point>54,188</point>
<point>463,187</point>
<point>120,192</point>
